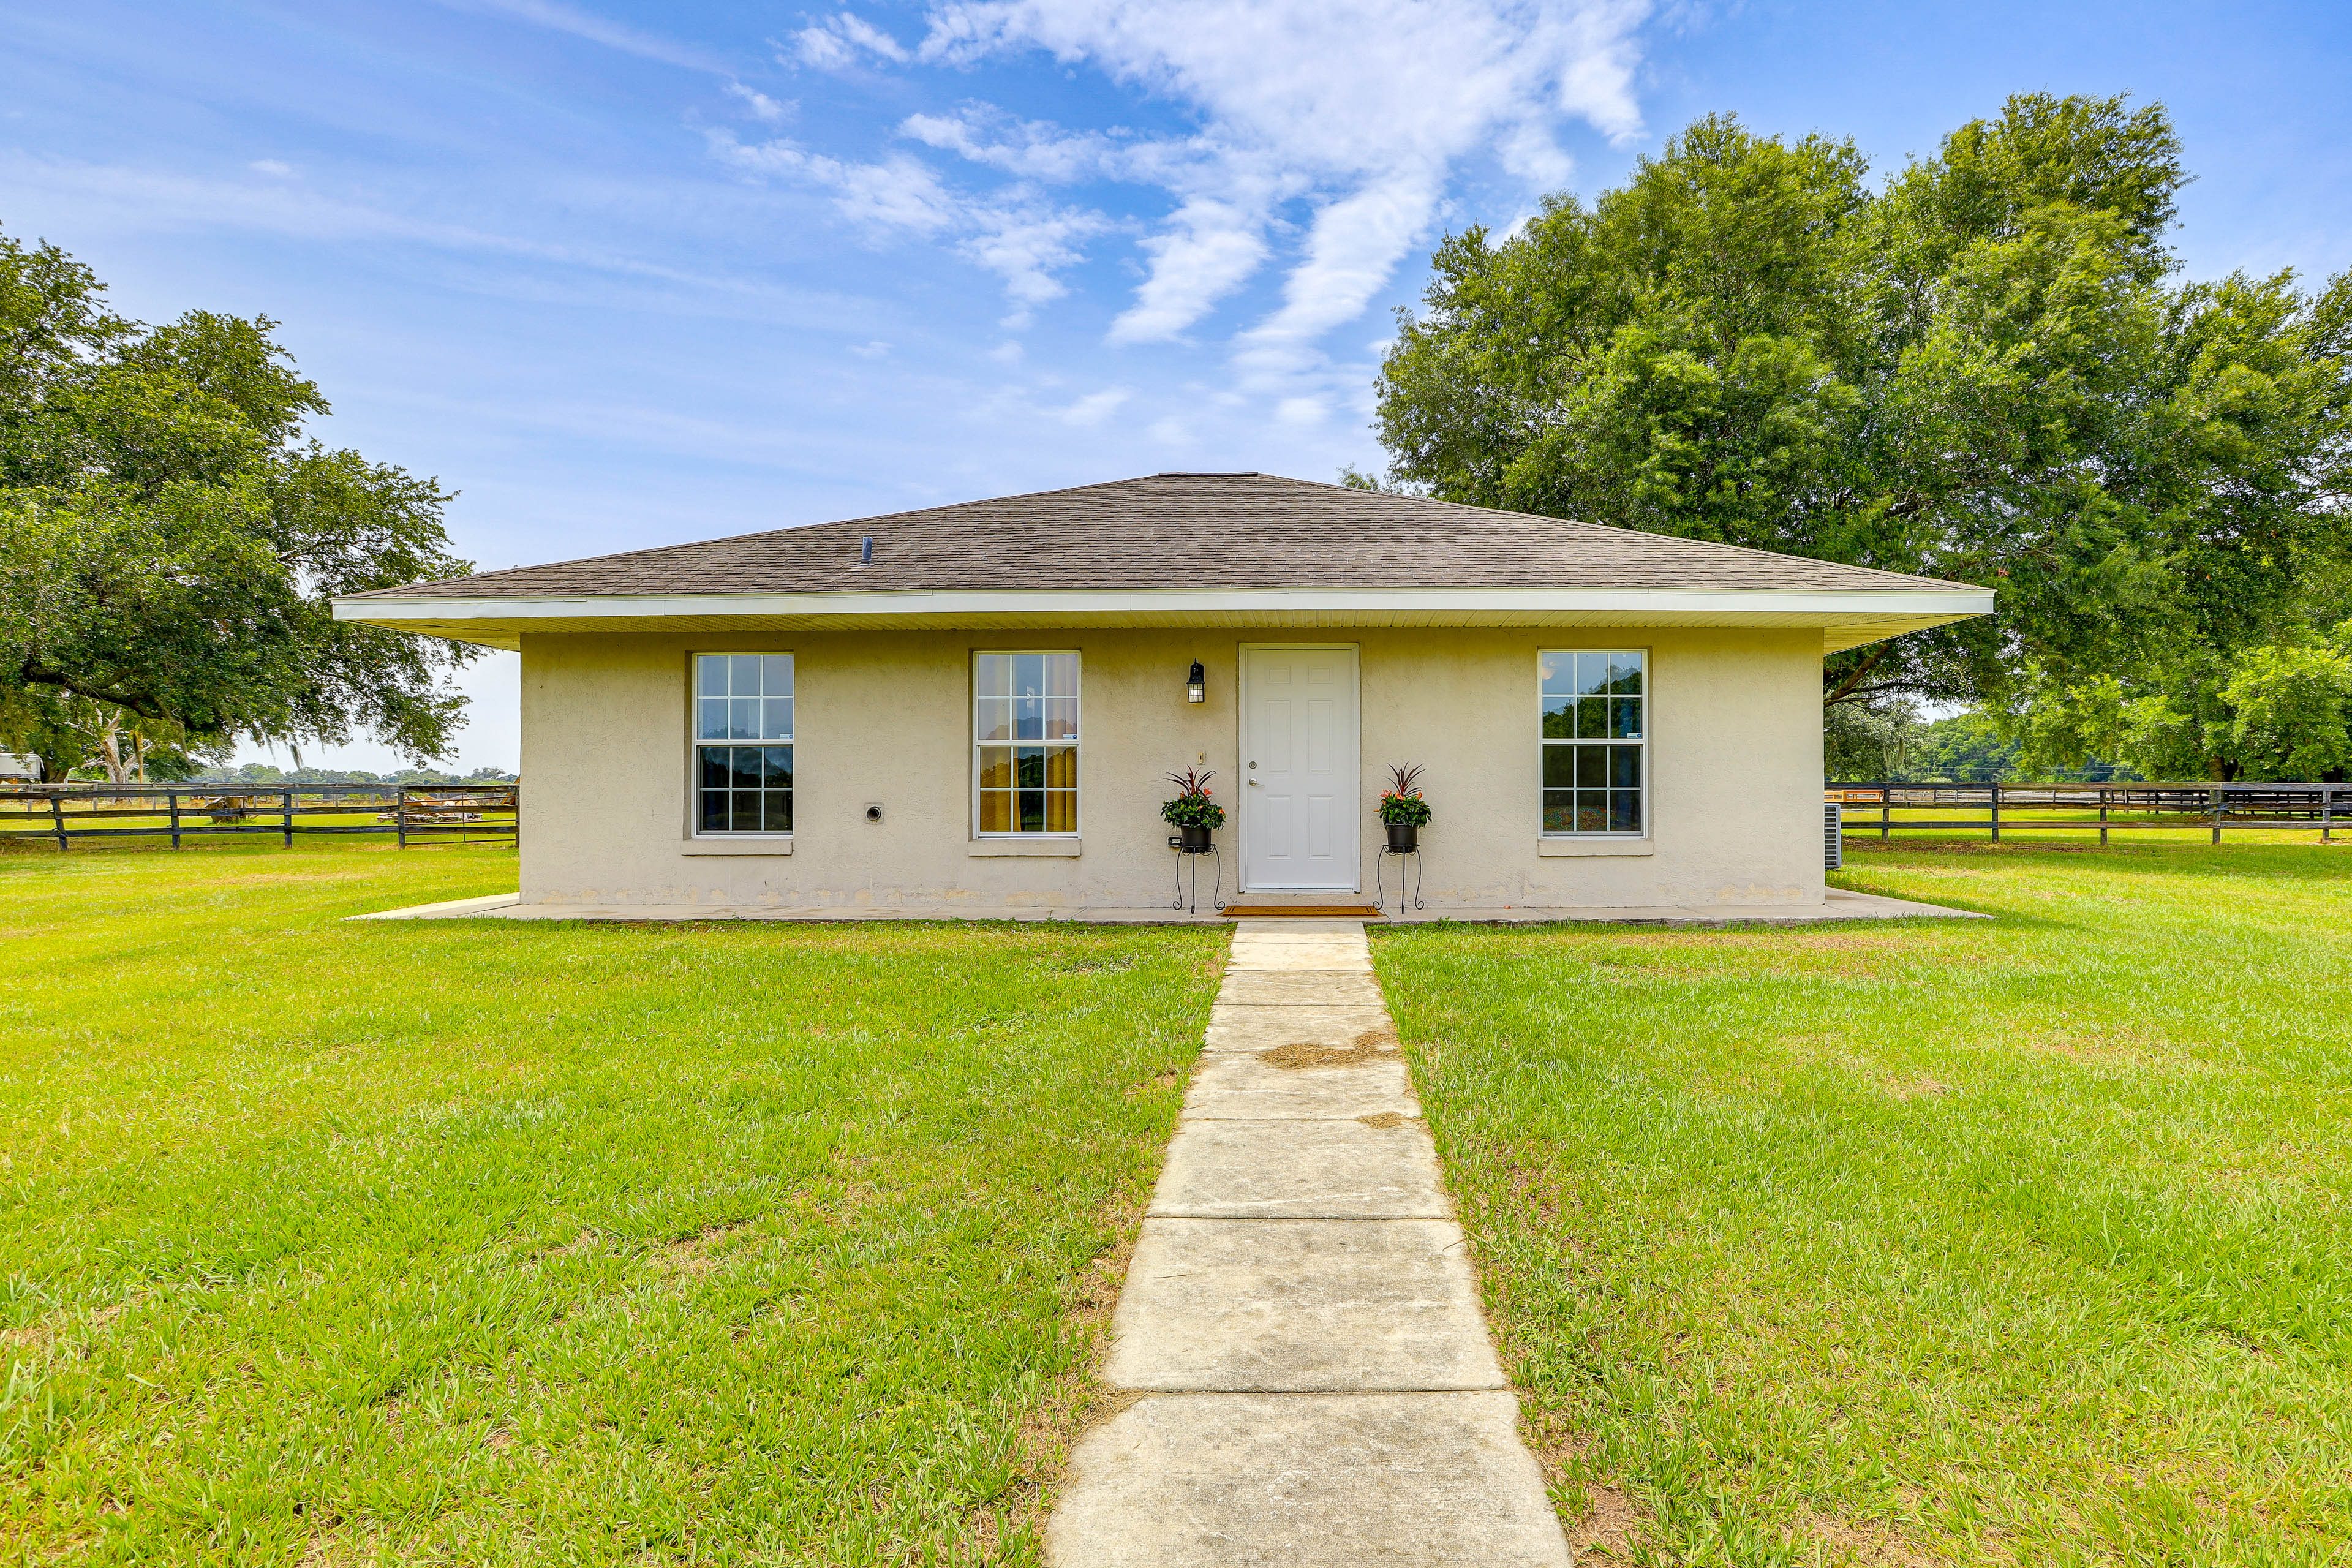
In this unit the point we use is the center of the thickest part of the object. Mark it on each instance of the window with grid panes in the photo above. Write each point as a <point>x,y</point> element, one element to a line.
<point>1025,736</point>
<point>743,742</point>
<point>1595,740</point>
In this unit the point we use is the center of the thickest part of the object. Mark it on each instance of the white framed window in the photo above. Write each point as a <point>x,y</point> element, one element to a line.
<point>1024,736</point>
<point>1594,723</point>
<point>742,743</point>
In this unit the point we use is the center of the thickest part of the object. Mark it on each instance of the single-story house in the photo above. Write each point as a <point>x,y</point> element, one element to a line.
<point>974,710</point>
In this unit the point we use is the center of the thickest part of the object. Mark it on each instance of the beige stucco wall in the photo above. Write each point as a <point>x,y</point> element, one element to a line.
<point>883,718</point>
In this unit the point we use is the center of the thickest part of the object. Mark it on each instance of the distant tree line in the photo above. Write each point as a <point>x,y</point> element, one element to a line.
<point>171,539</point>
<point>1889,742</point>
<point>1986,368</point>
<point>263,773</point>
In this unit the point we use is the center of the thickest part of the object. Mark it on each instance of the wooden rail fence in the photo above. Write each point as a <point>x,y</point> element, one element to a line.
<point>2298,806</point>
<point>411,813</point>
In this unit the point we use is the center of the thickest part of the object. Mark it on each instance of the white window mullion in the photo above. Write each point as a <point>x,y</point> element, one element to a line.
<point>1593,730</point>
<point>741,765</point>
<point>1024,743</point>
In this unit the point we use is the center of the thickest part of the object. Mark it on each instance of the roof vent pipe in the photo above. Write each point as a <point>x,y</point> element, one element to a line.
<point>865,551</point>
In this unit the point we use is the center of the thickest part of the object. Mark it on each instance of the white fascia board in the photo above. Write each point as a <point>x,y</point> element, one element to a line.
<point>1833,605</point>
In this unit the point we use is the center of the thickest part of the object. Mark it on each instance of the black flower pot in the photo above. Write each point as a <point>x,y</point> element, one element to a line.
<point>1404,837</point>
<point>1195,839</point>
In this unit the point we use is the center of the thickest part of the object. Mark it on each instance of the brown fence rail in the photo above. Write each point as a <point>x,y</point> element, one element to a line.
<point>1870,807</point>
<point>411,813</point>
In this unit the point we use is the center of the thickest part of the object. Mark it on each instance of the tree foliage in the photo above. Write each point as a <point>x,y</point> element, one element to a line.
<point>1983,370</point>
<point>171,539</point>
<point>2278,709</point>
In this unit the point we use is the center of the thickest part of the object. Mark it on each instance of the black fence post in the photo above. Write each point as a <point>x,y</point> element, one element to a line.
<point>400,813</point>
<point>2103,816</point>
<point>1995,811</point>
<point>172,796</point>
<point>2217,815</point>
<point>2326,813</point>
<point>1886,811</point>
<point>58,814</point>
<point>287,821</point>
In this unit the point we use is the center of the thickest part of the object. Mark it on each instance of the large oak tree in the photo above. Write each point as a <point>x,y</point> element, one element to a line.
<point>1984,369</point>
<point>171,538</point>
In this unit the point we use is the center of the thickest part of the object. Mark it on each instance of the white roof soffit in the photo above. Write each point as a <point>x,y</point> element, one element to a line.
<point>1848,617</point>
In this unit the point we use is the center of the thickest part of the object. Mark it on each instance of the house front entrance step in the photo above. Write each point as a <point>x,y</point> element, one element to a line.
<point>1300,1170</point>
<point>1308,911</point>
<point>1299,988</point>
<point>1239,1028</point>
<point>1306,1480</point>
<point>1301,930</point>
<point>1301,1307</point>
<point>1243,1086</point>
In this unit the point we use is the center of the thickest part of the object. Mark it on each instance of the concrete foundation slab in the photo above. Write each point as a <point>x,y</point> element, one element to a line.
<point>448,908</point>
<point>1300,1170</point>
<point>1840,906</point>
<point>1306,1480</point>
<point>1301,1307</point>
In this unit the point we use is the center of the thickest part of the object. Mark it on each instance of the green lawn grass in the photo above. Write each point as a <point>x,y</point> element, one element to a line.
<point>482,1242</point>
<point>2024,1241</point>
<point>2071,827</point>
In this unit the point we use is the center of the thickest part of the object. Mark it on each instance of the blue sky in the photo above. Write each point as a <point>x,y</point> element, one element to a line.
<point>627,274</point>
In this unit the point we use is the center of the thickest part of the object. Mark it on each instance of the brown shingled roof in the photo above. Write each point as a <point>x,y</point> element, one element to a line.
<point>1178,530</point>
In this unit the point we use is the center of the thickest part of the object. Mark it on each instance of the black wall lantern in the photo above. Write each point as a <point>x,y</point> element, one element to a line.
<point>1196,685</point>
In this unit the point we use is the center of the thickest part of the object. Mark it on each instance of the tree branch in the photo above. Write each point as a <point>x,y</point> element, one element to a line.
<point>37,674</point>
<point>1845,688</point>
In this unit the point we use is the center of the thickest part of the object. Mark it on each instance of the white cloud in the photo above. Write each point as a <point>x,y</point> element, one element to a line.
<point>1094,407</point>
<point>875,350</point>
<point>1014,234</point>
<point>1359,107</point>
<point>1211,248</point>
<point>144,201</point>
<point>1349,251</point>
<point>775,111</point>
<point>837,41</point>
<point>1026,245</point>
<point>1030,149</point>
<point>1323,136</point>
<point>271,167</point>
<point>1007,352</point>
<point>1300,411</point>
<point>580,23</point>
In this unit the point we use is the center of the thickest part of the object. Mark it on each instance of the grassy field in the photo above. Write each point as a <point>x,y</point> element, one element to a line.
<point>2027,1241</point>
<point>490,1243</point>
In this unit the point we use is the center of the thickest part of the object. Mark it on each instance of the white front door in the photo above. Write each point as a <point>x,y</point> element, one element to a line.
<point>1300,774</point>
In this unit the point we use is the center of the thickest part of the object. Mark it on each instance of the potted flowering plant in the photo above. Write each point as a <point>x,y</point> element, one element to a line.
<point>1402,810</point>
<point>1192,812</point>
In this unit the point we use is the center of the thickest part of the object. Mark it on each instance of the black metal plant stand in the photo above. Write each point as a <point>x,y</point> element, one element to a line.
<point>1192,857</point>
<point>1380,872</point>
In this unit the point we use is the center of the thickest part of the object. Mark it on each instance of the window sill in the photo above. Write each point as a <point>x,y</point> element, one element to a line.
<point>1065,848</point>
<point>1595,845</point>
<point>749,844</point>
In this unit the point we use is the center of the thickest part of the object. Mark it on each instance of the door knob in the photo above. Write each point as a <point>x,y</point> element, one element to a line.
<point>1255,785</point>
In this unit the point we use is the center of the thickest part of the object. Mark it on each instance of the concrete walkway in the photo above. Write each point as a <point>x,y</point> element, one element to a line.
<point>1300,1318</point>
